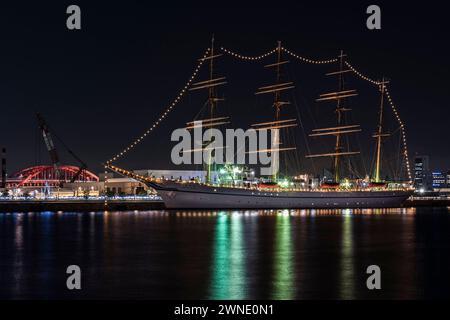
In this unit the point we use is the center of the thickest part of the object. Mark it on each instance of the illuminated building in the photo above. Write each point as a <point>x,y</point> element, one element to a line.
<point>421,173</point>
<point>439,180</point>
<point>448,179</point>
<point>185,175</point>
<point>112,186</point>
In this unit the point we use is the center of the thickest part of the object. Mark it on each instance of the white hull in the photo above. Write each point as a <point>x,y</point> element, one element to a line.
<point>193,196</point>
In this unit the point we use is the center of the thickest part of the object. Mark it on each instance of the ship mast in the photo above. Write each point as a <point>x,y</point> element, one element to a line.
<point>339,112</point>
<point>211,84</point>
<point>212,103</point>
<point>379,135</point>
<point>278,123</point>
<point>340,128</point>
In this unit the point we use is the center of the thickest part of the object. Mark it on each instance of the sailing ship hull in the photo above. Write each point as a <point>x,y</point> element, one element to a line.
<point>192,196</point>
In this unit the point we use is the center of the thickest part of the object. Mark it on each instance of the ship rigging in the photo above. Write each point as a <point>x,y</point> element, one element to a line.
<point>275,126</point>
<point>213,100</point>
<point>339,97</point>
<point>341,128</point>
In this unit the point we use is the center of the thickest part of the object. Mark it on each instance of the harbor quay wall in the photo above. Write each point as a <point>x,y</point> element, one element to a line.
<point>79,205</point>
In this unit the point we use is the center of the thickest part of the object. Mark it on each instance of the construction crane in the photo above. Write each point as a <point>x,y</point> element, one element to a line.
<point>47,133</point>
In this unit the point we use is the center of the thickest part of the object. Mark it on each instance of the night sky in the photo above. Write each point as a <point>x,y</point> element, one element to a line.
<point>104,85</point>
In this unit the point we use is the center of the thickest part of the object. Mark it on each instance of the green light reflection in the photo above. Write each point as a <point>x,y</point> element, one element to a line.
<point>228,267</point>
<point>283,284</point>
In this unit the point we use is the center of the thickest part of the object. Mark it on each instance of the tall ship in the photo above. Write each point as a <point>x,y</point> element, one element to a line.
<point>277,191</point>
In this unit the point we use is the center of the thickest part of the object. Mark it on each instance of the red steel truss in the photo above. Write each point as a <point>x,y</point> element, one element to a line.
<point>40,176</point>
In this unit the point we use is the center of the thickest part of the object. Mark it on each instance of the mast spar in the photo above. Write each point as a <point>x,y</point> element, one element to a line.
<point>278,123</point>
<point>339,111</point>
<point>379,135</point>
<point>341,127</point>
<point>211,85</point>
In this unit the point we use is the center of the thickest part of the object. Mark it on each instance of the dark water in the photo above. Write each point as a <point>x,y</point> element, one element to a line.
<point>296,254</point>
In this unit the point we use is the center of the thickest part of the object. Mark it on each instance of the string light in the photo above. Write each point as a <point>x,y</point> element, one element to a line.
<point>359,74</point>
<point>128,173</point>
<point>307,59</point>
<point>396,114</point>
<point>163,115</point>
<point>403,133</point>
<point>242,57</point>
<point>253,58</point>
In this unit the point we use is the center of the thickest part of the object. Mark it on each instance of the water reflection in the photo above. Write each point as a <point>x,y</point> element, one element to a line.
<point>220,270</point>
<point>18,254</point>
<point>237,260</point>
<point>283,285</point>
<point>46,246</point>
<point>228,268</point>
<point>273,254</point>
<point>347,271</point>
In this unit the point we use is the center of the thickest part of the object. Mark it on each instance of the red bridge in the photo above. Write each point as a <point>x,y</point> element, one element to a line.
<point>40,176</point>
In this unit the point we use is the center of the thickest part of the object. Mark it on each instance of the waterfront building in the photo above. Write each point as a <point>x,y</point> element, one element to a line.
<point>448,179</point>
<point>439,180</point>
<point>421,173</point>
<point>185,175</point>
